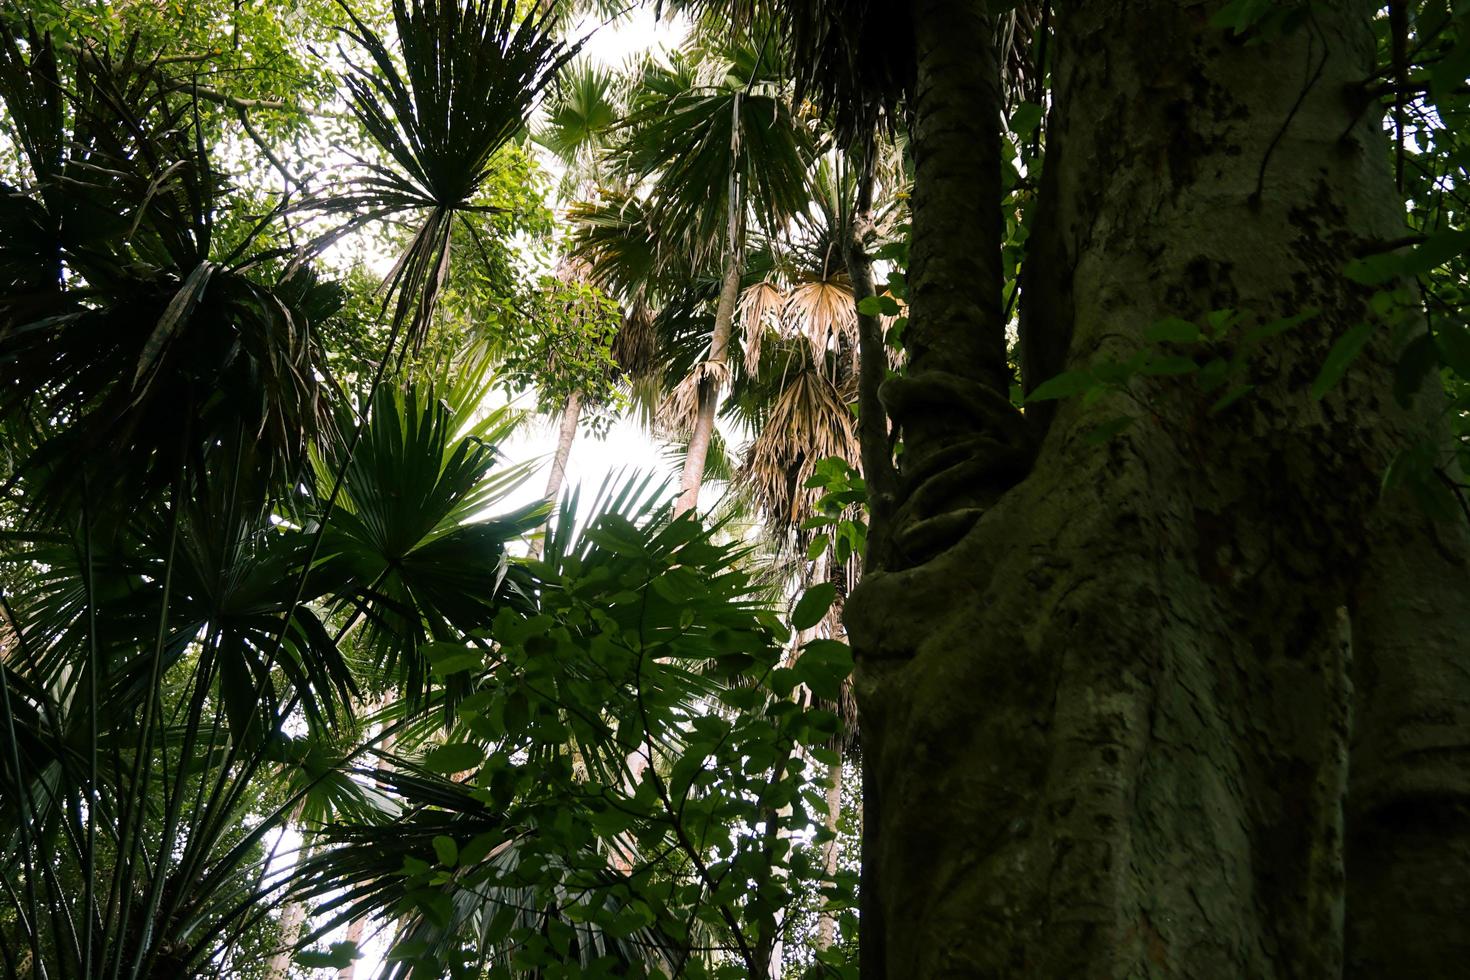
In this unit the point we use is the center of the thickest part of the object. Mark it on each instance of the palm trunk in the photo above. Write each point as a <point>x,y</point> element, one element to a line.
<point>354,936</point>
<point>571,413</point>
<point>710,388</point>
<point>1106,722</point>
<point>292,919</point>
<point>827,921</point>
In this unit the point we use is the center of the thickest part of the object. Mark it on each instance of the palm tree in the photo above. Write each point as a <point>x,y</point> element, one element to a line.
<point>164,633</point>
<point>719,147</point>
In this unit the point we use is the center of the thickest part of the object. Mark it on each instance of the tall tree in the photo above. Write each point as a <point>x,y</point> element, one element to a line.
<point>1127,702</point>
<point>718,141</point>
<point>1107,707</point>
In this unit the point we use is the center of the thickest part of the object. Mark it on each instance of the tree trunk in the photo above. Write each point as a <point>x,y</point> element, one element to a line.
<point>1408,846</point>
<point>571,413</point>
<point>963,442</point>
<point>877,454</point>
<point>827,921</point>
<point>292,919</point>
<point>710,387</point>
<point>1105,724</point>
<point>354,936</point>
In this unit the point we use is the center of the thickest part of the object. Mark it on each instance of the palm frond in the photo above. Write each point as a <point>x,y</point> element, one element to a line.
<point>823,311</point>
<point>761,307</point>
<point>411,530</point>
<point>467,80</point>
<point>809,421</point>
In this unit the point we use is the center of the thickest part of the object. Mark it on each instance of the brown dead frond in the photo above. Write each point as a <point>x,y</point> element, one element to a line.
<point>635,346</point>
<point>760,307</point>
<point>823,311</point>
<point>679,408</point>
<point>809,421</point>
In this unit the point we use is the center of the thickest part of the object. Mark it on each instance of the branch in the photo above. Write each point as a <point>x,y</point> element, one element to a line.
<point>152,68</point>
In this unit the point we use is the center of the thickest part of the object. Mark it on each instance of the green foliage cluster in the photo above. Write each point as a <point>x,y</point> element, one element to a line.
<point>562,344</point>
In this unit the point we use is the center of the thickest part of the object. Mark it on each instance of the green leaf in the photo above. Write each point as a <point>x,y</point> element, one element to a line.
<point>1453,340</point>
<point>1160,365</point>
<point>1238,16</point>
<point>1064,385</point>
<point>451,658</point>
<point>339,957</point>
<point>817,547</point>
<point>446,850</point>
<point>1435,251</point>
<point>813,606</point>
<point>1418,359</point>
<point>1347,348</point>
<point>1374,270</point>
<point>869,306</point>
<point>1267,330</point>
<point>1102,433</point>
<point>1025,119</point>
<point>1172,330</point>
<point>1230,398</point>
<point>454,757</point>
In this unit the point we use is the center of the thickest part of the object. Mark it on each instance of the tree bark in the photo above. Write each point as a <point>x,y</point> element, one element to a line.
<point>571,413</point>
<point>710,388</point>
<point>877,454</point>
<point>963,442</point>
<point>1408,818</point>
<point>354,936</point>
<point>827,921</point>
<point>293,917</point>
<point>1106,724</point>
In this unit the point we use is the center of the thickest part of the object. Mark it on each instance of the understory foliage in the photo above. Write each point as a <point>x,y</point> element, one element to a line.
<point>266,642</point>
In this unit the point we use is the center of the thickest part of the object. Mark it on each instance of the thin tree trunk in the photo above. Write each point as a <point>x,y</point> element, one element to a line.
<point>877,455</point>
<point>1106,724</point>
<point>710,388</point>
<point>292,919</point>
<point>832,850</point>
<point>571,413</point>
<point>354,936</point>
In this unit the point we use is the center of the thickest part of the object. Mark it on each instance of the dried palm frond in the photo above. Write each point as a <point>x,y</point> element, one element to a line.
<point>759,304</point>
<point>635,346</point>
<point>679,408</point>
<point>823,310</point>
<point>809,422</point>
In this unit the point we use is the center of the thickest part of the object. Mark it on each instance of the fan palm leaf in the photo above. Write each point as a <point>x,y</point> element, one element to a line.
<point>152,347</point>
<point>410,529</point>
<point>823,311</point>
<point>468,77</point>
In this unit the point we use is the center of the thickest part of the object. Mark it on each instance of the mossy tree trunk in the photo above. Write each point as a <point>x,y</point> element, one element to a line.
<point>1109,704</point>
